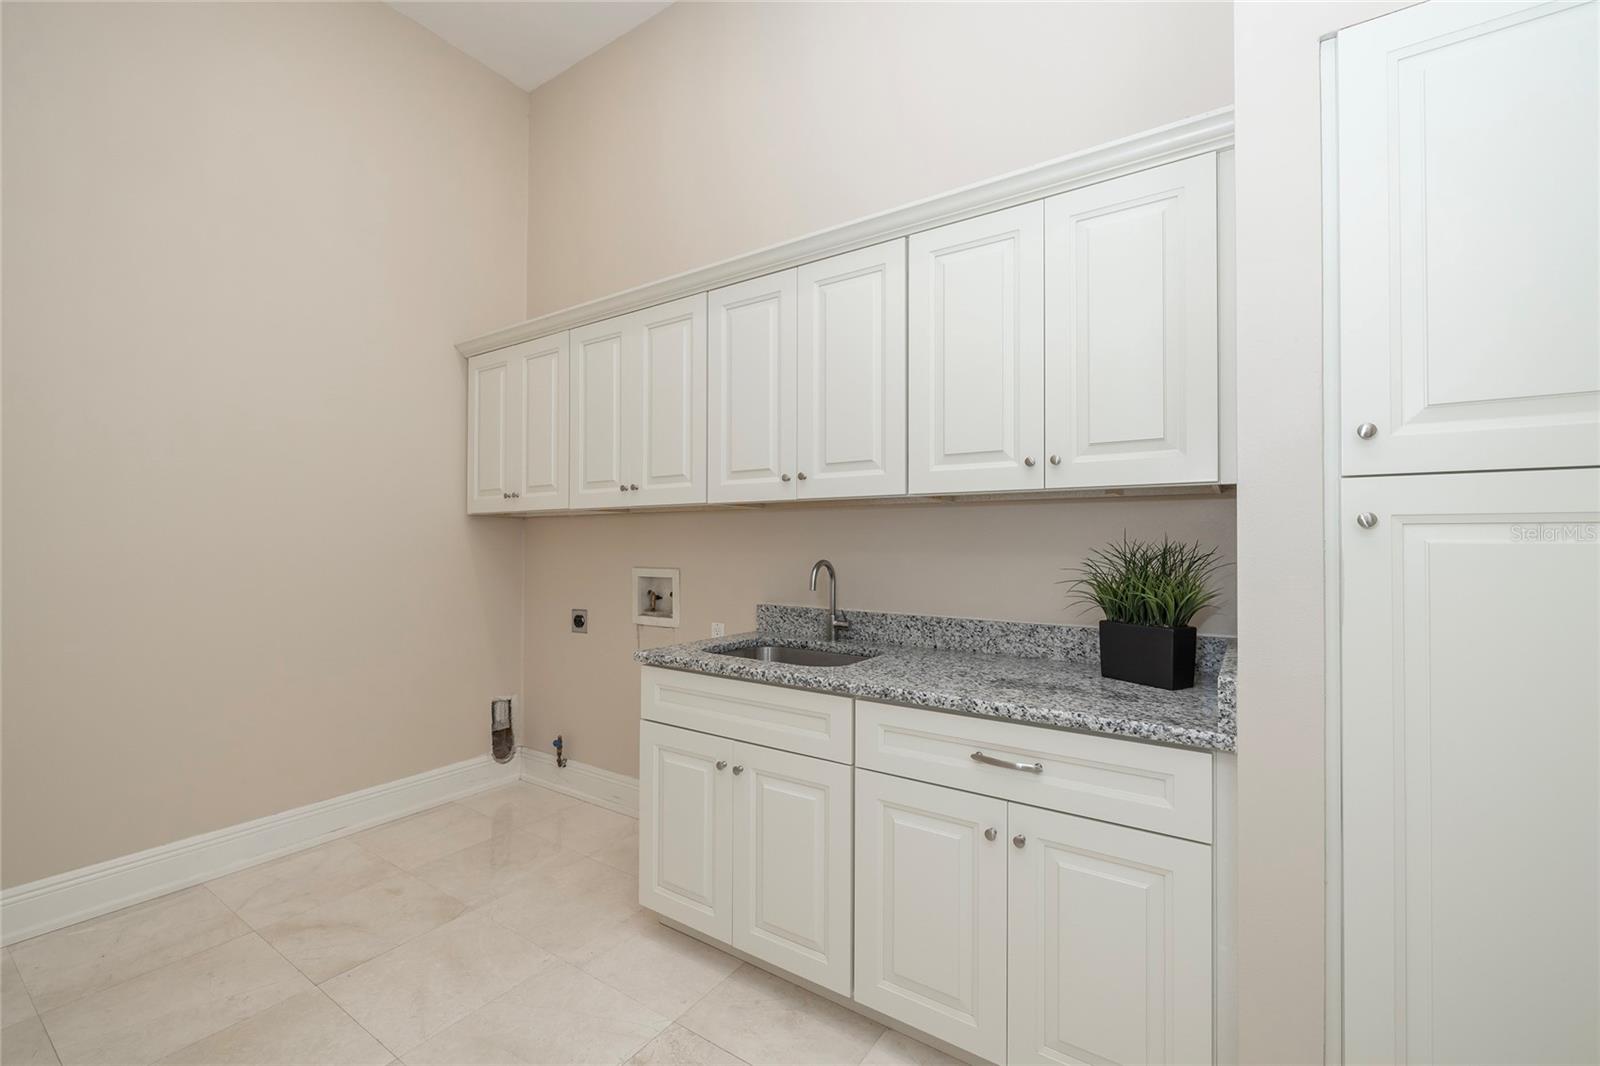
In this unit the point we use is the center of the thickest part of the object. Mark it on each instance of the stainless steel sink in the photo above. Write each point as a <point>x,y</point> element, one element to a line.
<point>777,653</point>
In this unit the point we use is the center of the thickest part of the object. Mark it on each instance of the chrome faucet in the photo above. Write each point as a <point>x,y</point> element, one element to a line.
<point>836,622</point>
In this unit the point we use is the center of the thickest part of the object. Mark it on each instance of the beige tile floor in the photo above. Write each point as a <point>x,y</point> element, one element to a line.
<point>503,928</point>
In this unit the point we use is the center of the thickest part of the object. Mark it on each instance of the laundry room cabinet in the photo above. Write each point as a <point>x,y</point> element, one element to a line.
<point>806,372</point>
<point>638,408</point>
<point>1070,343</point>
<point>517,428</point>
<point>1469,238</point>
<point>746,843</point>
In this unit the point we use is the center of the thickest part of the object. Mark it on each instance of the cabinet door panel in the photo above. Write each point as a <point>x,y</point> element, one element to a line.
<point>544,396</point>
<point>492,418</point>
<point>791,875</point>
<point>664,394</point>
<point>931,910</point>
<point>1110,930</point>
<point>1131,329</point>
<point>1471,767</point>
<point>976,365</point>
<point>1469,237</point>
<point>852,374</point>
<point>751,373</point>
<point>599,360</point>
<point>686,828</point>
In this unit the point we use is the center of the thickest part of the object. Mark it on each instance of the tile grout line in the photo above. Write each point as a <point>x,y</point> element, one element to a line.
<point>37,1014</point>
<point>319,990</point>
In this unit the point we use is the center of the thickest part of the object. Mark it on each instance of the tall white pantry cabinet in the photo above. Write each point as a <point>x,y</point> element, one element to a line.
<point>1469,532</point>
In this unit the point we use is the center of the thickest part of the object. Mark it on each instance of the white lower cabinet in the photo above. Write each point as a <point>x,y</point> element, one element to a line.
<point>931,910</point>
<point>750,846</point>
<point>1014,933</point>
<point>686,828</point>
<point>1110,942</point>
<point>791,863</point>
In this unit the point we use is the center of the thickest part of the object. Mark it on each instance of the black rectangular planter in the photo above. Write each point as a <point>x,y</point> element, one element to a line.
<point>1147,655</point>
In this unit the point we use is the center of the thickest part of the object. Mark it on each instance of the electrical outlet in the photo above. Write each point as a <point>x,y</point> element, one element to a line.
<point>580,620</point>
<point>718,629</point>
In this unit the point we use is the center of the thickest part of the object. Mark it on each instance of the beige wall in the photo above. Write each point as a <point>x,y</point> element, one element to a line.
<point>983,560</point>
<point>239,243</point>
<point>717,129</point>
<point>1281,721</point>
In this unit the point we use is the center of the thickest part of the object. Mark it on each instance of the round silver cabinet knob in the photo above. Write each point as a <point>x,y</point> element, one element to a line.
<point>633,488</point>
<point>738,769</point>
<point>1366,519</point>
<point>1019,840</point>
<point>505,495</point>
<point>1366,431</point>
<point>1028,461</point>
<point>622,488</point>
<point>1055,460</point>
<point>722,764</point>
<point>990,833</point>
<point>801,475</point>
<point>785,477</point>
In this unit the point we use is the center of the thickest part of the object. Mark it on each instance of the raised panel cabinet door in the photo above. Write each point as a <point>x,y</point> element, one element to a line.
<point>750,372</point>
<point>686,828</point>
<point>1110,931</point>
<point>492,432</point>
<point>1470,711</point>
<point>1469,238</point>
<point>664,404</point>
<point>542,443</point>
<point>792,863</point>
<point>931,910</point>
<point>975,372</point>
<point>599,361</point>
<point>852,375</point>
<point>1131,329</point>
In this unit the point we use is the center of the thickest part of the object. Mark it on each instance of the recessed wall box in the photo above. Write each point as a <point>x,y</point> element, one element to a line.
<point>655,596</point>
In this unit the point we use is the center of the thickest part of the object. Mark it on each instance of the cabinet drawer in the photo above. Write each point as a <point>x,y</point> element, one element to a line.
<point>1167,790</point>
<point>808,723</point>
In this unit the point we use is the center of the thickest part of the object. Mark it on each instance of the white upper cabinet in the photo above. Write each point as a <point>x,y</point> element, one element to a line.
<point>541,374</point>
<point>491,433</point>
<point>1131,329</point>
<point>976,365</point>
<point>851,425</point>
<point>599,363</point>
<point>638,408</point>
<point>1110,943</point>
<point>664,405</point>
<point>1471,763</point>
<point>517,428</point>
<point>1469,238</point>
<point>750,432</point>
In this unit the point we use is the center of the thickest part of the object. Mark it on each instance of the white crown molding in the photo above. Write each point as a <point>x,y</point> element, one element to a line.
<point>1188,137</point>
<point>603,788</point>
<point>53,902</point>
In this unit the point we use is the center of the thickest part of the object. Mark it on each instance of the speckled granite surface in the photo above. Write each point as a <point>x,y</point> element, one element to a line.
<point>1042,674</point>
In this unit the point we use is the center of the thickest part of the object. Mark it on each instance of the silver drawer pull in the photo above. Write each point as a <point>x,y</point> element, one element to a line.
<point>1026,767</point>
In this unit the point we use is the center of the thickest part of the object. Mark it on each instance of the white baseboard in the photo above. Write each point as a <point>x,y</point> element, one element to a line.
<point>604,788</point>
<point>53,902</point>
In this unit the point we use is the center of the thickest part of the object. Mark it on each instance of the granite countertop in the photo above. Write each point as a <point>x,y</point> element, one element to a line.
<point>1045,675</point>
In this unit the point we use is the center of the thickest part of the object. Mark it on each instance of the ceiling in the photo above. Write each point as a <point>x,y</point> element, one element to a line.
<point>531,41</point>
